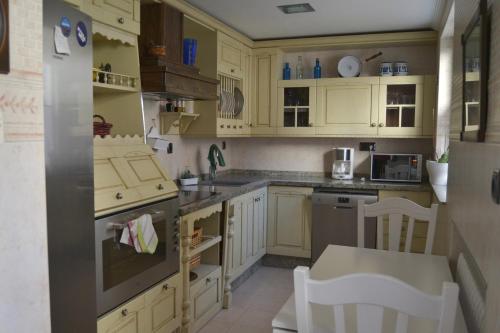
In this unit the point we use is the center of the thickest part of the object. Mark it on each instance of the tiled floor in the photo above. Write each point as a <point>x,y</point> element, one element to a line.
<point>255,303</point>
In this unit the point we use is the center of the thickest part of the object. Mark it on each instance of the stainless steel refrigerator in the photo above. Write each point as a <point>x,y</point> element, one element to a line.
<point>68,110</point>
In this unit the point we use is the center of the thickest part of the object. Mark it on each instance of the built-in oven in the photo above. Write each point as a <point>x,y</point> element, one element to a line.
<point>396,167</point>
<point>121,272</point>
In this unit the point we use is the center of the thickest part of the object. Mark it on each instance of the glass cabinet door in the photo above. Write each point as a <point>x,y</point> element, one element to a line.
<point>296,105</point>
<point>401,106</point>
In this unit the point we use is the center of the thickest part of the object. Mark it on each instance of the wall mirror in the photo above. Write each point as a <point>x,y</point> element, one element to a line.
<point>475,46</point>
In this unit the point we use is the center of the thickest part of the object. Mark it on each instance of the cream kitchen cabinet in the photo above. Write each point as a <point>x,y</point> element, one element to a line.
<point>206,299</point>
<point>157,310</point>
<point>264,92</point>
<point>289,221</point>
<point>249,215</point>
<point>347,106</point>
<point>296,107</point>
<point>121,14</point>
<point>231,56</point>
<point>406,106</point>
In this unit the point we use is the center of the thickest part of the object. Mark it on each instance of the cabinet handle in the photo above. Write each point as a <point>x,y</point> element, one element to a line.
<point>124,312</point>
<point>250,125</point>
<point>221,126</point>
<point>234,126</point>
<point>381,125</point>
<point>208,280</point>
<point>165,286</point>
<point>159,187</point>
<point>121,20</point>
<point>241,126</point>
<point>232,70</point>
<point>373,124</point>
<point>119,196</point>
<point>228,126</point>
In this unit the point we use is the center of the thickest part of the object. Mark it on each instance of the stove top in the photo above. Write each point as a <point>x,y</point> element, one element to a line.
<point>187,197</point>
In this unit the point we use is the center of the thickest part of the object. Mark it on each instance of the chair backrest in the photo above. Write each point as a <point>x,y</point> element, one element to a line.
<point>396,208</point>
<point>371,293</point>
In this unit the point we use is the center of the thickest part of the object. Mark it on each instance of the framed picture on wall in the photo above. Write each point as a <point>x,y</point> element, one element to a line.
<point>4,36</point>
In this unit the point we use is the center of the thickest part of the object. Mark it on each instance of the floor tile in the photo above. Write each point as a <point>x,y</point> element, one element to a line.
<point>238,328</point>
<point>230,315</point>
<point>215,327</point>
<point>257,318</point>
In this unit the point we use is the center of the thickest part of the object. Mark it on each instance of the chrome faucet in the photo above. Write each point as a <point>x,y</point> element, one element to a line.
<point>214,156</point>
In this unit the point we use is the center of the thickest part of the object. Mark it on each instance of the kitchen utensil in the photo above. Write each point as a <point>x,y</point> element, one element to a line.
<point>385,69</point>
<point>239,101</point>
<point>400,68</point>
<point>349,66</point>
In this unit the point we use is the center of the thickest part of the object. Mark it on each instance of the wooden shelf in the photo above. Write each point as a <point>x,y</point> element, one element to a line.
<point>208,242</point>
<point>203,271</point>
<point>105,88</point>
<point>182,120</point>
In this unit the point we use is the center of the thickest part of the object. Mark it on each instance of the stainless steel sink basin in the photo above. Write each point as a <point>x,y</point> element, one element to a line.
<point>227,182</point>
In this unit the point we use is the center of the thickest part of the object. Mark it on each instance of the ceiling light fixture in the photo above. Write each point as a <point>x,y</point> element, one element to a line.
<point>297,8</point>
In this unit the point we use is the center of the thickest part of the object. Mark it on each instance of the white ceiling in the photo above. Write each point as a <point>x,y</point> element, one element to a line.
<point>260,19</point>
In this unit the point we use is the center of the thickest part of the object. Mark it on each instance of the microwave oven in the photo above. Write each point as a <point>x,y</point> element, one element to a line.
<point>396,167</point>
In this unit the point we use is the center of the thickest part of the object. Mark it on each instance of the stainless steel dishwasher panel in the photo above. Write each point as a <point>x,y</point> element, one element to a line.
<point>334,220</point>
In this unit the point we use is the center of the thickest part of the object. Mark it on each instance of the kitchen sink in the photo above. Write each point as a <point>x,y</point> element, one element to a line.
<point>227,182</point>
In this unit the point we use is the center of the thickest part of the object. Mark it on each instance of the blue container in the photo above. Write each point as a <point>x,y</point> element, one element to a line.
<point>189,51</point>
<point>317,70</point>
<point>287,71</point>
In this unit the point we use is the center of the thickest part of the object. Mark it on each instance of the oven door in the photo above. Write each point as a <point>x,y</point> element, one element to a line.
<point>121,272</point>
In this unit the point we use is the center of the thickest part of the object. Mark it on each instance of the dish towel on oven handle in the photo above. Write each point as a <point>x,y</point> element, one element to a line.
<point>141,234</point>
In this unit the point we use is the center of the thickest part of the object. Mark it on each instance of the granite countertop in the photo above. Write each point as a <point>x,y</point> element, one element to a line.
<point>253,180</point>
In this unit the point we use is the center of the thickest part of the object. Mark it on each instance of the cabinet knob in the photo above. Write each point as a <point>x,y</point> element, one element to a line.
<point>373,124</point>
<point>241,126</point>
<point>121,20</point>
<point>119,196</point>
<point>311,124</point>
<point>250,125</point>
<point>232,70</point>
<point>159,187</point>
<point>124,312</point>
<point>165,286</point>
<point>228,126</point>
<point>234,126</point>
<point>221,126</point>
<point>208,280</point>
<point>381,125</point>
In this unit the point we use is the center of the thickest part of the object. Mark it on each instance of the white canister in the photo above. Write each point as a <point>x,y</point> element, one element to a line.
<point>400,68</point>
<point>385,69</point>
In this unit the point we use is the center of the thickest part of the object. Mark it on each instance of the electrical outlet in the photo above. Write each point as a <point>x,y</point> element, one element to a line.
<point>170,148</point>
<point>223,145</point>
<point>367,146</point>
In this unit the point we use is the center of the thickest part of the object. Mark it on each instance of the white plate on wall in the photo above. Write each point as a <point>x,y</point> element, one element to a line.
<point>349,66</point>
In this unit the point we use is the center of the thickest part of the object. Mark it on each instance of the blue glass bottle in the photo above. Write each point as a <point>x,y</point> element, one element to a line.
<point>317,70</point>
<point>287,71</point>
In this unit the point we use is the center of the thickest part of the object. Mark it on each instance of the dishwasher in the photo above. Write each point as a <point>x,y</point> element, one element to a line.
<point>334,219</point>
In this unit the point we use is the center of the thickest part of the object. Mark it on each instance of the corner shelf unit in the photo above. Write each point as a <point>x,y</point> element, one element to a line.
<point>182,120</point>
<point>106,88</point>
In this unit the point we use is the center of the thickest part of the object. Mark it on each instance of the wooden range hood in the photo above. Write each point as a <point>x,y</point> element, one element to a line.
<point>166,75</point>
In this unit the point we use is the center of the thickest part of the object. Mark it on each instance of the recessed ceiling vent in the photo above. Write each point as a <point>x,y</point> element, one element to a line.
<point>297,8</point>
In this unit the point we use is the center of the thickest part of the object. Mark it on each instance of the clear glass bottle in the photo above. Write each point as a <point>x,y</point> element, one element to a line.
<point>299,70</point>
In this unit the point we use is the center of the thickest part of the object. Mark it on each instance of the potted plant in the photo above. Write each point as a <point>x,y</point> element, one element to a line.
<point>438,170</point>
<point>187,178</point>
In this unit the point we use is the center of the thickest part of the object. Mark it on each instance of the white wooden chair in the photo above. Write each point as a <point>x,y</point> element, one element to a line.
<point>371,293</point>
<point>395,208</point>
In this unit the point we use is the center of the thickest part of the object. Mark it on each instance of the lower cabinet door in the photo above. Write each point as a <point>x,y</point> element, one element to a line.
<point>164,306</point>
<point>289,221</point>
<point>206,299</point>
<point>128,318</point>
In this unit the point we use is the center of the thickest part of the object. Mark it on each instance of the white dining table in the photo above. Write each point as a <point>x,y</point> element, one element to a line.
<point>425,272</point>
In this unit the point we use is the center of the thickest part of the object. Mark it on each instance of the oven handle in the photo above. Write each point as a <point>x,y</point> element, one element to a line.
<point>121,226</point>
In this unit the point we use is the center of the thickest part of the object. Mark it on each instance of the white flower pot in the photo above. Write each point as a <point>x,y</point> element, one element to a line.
<point>438,172</point>
<point>189,181</point>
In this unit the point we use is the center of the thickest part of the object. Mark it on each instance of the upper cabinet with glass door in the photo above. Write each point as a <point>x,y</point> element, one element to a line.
<point>401,108</point>
<point>296,107</point>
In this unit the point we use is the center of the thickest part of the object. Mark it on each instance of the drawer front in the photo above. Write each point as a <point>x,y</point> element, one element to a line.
<point>205,296</point>
<point>140,171</point>
<point>163,305</point>
<point>121,14</point>
<point>156,189</point>
<point>129,318</point>
<point>106,177</point>
<point>112,199</point>
<point>120,7</point>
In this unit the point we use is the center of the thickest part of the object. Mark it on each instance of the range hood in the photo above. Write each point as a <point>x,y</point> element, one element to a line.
<point>166,76</point>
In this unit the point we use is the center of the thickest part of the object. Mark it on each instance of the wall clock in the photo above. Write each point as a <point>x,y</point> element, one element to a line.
<point>4,36</point>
